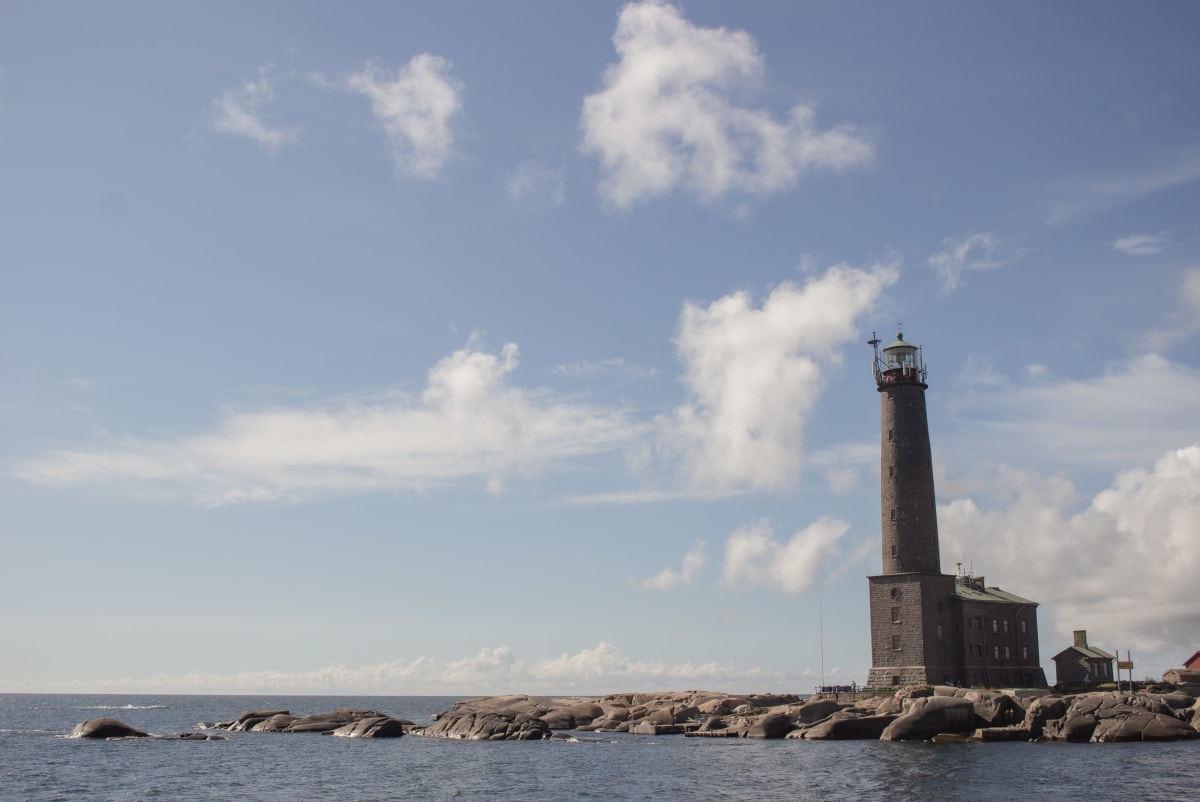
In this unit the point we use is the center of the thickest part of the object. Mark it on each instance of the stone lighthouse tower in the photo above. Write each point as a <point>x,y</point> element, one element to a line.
<point>912,637</point>
<point>928,627</point>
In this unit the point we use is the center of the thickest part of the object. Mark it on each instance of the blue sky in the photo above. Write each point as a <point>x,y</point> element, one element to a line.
<point>469,347</point>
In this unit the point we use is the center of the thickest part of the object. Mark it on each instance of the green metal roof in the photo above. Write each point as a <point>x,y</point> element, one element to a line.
<point>900,343</point>
<point>968,593</point>
<point>1087,651</point>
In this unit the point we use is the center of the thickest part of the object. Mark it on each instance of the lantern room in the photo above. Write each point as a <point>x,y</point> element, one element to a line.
<point>900,363</point>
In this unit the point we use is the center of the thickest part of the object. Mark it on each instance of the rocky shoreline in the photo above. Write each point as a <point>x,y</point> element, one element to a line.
<point>924,713</point>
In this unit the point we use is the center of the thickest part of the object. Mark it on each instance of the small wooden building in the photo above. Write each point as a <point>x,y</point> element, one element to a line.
<point>1193,662</point>
<point>1081,664</point>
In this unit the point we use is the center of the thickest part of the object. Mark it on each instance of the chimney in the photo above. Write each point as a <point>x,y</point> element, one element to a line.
<point>1081,638</point>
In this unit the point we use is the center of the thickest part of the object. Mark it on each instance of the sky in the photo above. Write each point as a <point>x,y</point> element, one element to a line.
<point>479,347</point>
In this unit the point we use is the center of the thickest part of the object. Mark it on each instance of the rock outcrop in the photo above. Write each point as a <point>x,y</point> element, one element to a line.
<point>371,727</point>
<point>470,725</point>
<point>927,716</point>
<point>106,728</point>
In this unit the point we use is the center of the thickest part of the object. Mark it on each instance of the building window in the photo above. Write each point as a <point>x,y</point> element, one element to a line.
<point>1024,652</point>
<point>1006,626</point>
<point>895,615</point>
<point>1007,653</point>
<point>939,631</point>
<point>895,550</point>
<point>896,643</point>
<point>895,680</point>
<point>995,625</point>
<point>893,513</point>
<point>1024,627</point>
<point>996,652</point>
<point>891,434</point>
<point>892,471</point>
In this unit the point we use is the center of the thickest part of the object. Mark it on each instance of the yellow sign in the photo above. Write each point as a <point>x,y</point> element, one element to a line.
<point>1124,665</point>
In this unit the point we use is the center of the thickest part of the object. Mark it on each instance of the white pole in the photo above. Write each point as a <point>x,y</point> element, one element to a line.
<point>821,625</point>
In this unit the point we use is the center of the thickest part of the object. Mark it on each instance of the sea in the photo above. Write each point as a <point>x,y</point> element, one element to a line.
<point>39,763</point>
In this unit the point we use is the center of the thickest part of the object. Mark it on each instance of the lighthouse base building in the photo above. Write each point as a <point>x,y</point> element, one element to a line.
<point>930,628</point>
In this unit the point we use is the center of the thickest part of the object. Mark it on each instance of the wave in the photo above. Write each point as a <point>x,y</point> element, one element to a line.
<point>126,707</point>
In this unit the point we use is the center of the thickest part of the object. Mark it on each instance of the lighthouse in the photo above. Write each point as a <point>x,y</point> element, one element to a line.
<point>930,628</point>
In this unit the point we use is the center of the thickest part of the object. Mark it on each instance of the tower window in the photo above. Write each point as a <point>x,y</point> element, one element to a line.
<point>1024,652</point>
<point>892,471</point>
<point>1006,626</point>
<point>995,625</point>
<point>996,652</point>
<point>895,615</point>
<point>939,631</point>
<point>893,513</point>
<point>895,550</point>
<point>896,643</point>
<point>1007,653</point>
<point>891,434</point>
<point>1024,627</point>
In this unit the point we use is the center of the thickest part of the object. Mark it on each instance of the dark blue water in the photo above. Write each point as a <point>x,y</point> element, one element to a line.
<point>37,763</point>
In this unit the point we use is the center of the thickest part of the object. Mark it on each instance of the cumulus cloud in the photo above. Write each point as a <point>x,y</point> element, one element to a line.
<point>753,375</point>
<point>240,112</point>
<point>1143,244</point>
<point>670,578</point>
<point>468,424</point>
<point>1123,567</point>
<point>958,255</point>
<point>603,669</point>
<point>414,105</point>
<point>754,558</point>
<point>665,120</point>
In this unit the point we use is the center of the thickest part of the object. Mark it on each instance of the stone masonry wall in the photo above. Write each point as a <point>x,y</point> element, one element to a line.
<point>907,508</point>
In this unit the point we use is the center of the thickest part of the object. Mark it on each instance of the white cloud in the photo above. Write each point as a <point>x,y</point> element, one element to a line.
<point>960,254</point>
<point>1123,567</point>
<point>586,369</point>
<point>1182,322</point>
<point>414,105</point>
<point>754,558</point>
<point>664,119</point>
<point>240,112</point>
<point>754,374</point>
<point>1125,416</point>
<point>1096,194</point>
<point>499,670</point>
<point>468,424</point>
<point>534,182</point>
<point>1143,244</point>
<point>670,579</point>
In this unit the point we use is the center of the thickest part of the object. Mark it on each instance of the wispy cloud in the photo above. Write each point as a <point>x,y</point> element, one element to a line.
<point>664,119</point>
<point>1090,195</point>
<point>415,105</point>
<point>1143,244</point>
<point>670,578</point>
<point>753,375</point>
<point>469,424</point>
<point>587,369</point>
<point>240,112</point>
<point>535,183</point>
<point>1122,565</point>
<point>1133,411</point>
<point>970,252</point>
<point>755,558</point>
<point>603,669</point>
<point>1181,323</point>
